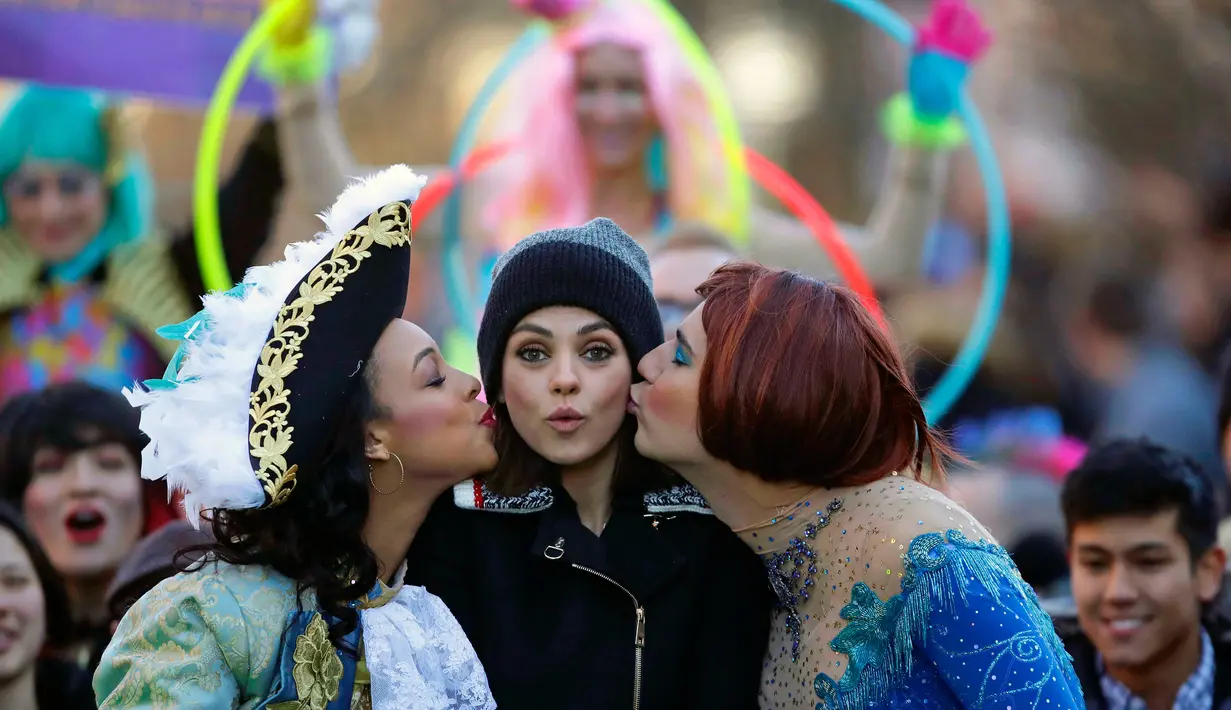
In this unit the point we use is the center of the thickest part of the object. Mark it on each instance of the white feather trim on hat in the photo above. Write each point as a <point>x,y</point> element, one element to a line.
<point>198,422</point>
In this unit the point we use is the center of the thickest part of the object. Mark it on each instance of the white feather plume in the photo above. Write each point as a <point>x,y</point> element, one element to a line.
<point>199,429</point>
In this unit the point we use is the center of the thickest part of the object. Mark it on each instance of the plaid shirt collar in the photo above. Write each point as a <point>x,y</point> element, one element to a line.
<point>1197,693</point>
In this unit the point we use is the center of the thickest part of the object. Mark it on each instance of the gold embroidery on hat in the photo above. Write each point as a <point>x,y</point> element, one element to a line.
<point>270,435</point>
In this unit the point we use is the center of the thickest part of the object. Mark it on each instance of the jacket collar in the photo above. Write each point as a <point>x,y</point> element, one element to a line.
<point>473,494</point>
<point>640,550</point>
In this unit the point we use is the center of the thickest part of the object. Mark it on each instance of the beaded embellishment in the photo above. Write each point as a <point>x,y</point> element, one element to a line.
<point>792,573</point>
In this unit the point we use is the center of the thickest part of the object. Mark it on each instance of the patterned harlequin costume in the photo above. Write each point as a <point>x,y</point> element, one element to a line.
<point>893,596</point>
<point>93,316</point>
<point>100,332</point>
<point>242,419</point>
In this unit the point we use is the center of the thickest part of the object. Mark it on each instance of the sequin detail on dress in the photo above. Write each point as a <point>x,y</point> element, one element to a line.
<point>882,638</point>
<point>792,573</point>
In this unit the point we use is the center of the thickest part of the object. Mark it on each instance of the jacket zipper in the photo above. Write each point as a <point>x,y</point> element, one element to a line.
<point>555,552</point>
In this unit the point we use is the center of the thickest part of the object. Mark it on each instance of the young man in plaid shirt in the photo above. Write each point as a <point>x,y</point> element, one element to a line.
<point>1142,525</point>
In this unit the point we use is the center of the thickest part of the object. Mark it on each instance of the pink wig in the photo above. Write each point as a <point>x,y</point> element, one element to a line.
<point>545,181</point>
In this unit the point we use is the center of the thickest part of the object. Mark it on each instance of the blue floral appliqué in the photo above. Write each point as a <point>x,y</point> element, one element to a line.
<point>961,590</point>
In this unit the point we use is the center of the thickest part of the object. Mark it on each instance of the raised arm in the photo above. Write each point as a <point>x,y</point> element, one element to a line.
<point>923,130</point>
<point>247,207</point>
<point>316,157</point>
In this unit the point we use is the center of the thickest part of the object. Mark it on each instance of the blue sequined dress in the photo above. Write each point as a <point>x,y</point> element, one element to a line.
<point>892,596</point>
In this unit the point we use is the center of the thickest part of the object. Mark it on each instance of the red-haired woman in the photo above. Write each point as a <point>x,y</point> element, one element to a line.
<point>787,407</point>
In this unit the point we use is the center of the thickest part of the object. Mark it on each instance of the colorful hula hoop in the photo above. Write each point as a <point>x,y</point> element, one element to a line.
<point>458,291</point>
<point>804,206</point>
<point>457,285</point>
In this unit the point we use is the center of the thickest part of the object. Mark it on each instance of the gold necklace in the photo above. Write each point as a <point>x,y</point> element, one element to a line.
<point>782,511</point>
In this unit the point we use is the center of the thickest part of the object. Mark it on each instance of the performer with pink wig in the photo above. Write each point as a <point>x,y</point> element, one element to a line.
<point>609,120</point>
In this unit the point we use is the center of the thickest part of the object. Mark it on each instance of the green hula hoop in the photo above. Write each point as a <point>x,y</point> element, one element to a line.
<point>208,239</point>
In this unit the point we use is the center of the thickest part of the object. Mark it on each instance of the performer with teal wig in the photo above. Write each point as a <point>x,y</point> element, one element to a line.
<point>72,132</point>
<point>76,204</point>
<point>85,276</point>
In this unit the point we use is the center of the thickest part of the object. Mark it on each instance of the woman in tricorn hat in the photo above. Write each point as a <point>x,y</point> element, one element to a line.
<point>314,428</point>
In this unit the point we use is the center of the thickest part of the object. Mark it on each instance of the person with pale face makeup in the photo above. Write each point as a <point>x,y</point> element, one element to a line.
<point>615,122</point>
<point>70,459</point>
<point>34,621</point>
<point>576,559</point>
<point>789,409</point>
<point>1146,567</point>
<point>313,428</point>
<point>86,277</point>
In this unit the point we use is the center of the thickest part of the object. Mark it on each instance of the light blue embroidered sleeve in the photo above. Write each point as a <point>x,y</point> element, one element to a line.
<point>987,637</point>
<point>964,629</point>
<point>200,639</point>
<point>165,655</point>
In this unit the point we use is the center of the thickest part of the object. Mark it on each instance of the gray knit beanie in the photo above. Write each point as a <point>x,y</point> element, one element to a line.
<point>596,266</point>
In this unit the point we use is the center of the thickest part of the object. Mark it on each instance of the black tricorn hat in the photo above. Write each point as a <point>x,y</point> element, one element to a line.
<point>325,332</point>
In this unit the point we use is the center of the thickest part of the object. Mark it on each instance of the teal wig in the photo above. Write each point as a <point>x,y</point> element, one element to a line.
<point>69,125</point>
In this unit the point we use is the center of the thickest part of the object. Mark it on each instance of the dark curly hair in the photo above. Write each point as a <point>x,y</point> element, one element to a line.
<point>316,536</point>
<point>70,417</point>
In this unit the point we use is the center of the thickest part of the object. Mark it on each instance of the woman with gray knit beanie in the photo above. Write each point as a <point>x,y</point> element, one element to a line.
<point>584,574</point>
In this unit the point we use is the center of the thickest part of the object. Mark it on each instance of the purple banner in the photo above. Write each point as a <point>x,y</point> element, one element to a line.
<point>168,50</point>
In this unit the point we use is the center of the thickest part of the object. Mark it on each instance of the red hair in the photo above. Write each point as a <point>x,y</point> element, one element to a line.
<point>800,384</point>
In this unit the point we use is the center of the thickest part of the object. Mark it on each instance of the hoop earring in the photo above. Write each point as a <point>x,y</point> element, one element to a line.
<point>401,478</point>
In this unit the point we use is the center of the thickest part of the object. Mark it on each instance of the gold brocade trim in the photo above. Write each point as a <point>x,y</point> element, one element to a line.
<point>270,435</point>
